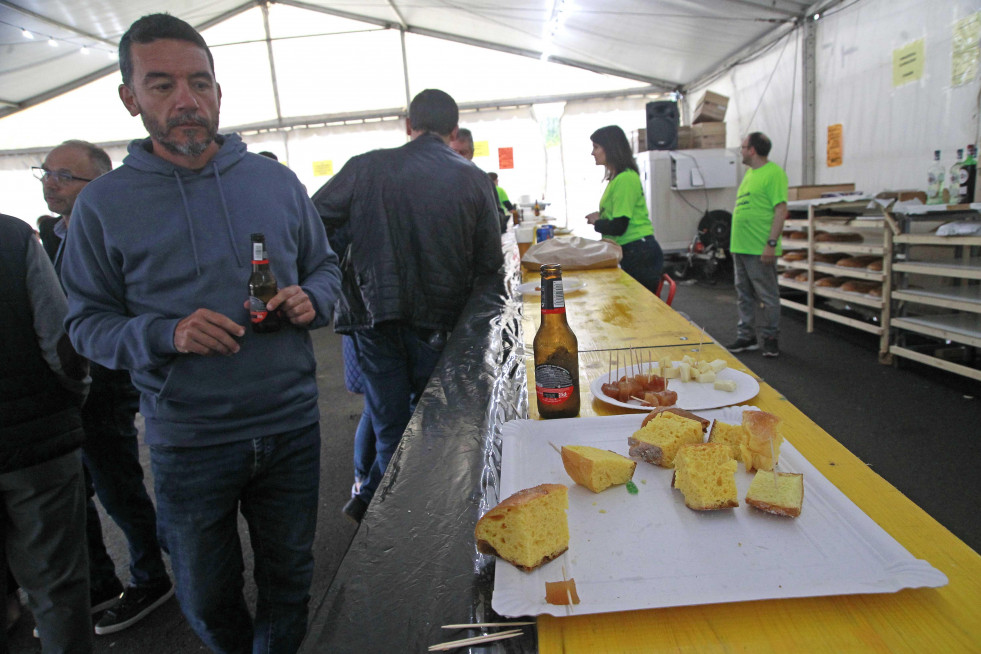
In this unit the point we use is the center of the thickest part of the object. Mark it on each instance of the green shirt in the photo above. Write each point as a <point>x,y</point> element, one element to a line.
<point>502,197</point>
<point>624,196</point>
<point>759,193</point>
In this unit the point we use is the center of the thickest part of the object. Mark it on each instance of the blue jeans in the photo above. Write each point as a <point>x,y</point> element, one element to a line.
<point>113,472</point>
<point>396,363</point>
<point>643,260</point>
<point>274,482</point>
<point>756,283</point>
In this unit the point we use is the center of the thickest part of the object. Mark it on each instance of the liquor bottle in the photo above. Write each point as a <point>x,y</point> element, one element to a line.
<point>968,174</point>
<point>556,352</point>
<point>935,180</point>
<point>954,178</point>
<point>262,288</point>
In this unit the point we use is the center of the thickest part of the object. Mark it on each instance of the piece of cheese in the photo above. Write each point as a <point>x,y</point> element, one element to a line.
<point>728,385</point>
<point>718,365</point>
<point>706,377</point>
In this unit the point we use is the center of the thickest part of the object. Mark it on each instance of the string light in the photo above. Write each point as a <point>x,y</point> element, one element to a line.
<point>26,34</point>
<point>55,42</point>
<point>52,42</point>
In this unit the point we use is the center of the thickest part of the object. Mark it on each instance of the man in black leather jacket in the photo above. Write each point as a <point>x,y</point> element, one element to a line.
<point>423,224</point>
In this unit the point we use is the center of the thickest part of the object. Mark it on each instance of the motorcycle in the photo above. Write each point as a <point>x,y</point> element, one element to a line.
<point>707,250</point>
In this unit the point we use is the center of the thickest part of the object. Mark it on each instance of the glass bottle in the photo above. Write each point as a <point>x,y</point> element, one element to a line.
<point>968,172</point>
<point>556,352</point>
<point>262,288</point>
<point>954,178</point>
<point>935,180</point>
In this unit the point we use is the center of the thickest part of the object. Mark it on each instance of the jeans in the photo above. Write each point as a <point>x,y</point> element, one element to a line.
<point>364,447</point>
<point>113,472</point>
<point>396,363</point>
<point>273,481</point>
<point>756,283</point>
<point>43,522</point>
<point>643,260</point>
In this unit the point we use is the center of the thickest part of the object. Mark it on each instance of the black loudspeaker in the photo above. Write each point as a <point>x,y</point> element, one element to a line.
<point>662,125</point>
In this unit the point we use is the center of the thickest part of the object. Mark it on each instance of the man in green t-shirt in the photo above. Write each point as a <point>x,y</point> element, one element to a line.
<point>757,220</point>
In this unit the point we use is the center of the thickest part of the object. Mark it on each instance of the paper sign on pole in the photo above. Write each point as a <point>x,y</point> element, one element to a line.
<point>907,63</point>
<point>481,149</point>
<point>323,168</point>
<point>835,148</point>
<point>505,158</point>
<point>964,49</point>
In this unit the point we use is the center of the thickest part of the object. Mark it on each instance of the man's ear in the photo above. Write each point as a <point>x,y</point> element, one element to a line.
<point>455,132</point>
<point>129,100</point>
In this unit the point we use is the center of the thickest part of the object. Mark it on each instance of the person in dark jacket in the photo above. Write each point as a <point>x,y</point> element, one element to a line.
<point>423,226</point>
<point>42,493</point>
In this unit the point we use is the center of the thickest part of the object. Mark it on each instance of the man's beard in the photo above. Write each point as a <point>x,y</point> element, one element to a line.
<point>192,147</point>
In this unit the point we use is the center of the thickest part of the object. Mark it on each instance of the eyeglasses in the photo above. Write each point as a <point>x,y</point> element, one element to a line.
<point>55,175</point>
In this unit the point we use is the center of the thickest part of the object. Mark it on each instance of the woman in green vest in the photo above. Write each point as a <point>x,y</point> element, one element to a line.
<point>622,216</point>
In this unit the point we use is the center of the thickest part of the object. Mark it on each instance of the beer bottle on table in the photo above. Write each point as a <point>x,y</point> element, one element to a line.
<point>556,352</point>
<point>262,288</point>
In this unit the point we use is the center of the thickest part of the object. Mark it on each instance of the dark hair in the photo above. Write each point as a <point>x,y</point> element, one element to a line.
<point>269,155</point>
<point>760,142</point>
<point>493,176</point>
<point>434,111</point>
<point>619,156</point>
<point>98,156</point>
<point>151,28</point>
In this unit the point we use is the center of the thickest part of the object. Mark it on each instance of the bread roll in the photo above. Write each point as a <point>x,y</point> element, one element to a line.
<point>837,237</point>
<point>796,235</point>
<point>875,265</point>
<point>861,286</point>
<point>795,255</point>
<point>791,273</point>
<point>802,277</point>
<point>831,282</point>
<point>857,262</point>
<point>829,257</point>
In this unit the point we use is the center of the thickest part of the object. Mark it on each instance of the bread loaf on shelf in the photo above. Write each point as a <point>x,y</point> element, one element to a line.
<point>791,273</point>
<point>829,257</point>
<point>831,282</point>
<point>861,286</point>
<point>795,255</point>
<point>838,237</point>
<point>875,266</point>
<point>802,277</point>
<point>796,235</point>
<point>860,261</point>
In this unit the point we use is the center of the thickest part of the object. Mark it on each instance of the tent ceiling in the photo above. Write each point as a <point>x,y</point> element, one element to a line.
<point>666,43</point>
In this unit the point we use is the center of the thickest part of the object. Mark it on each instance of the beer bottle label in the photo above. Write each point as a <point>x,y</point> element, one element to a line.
<point>553,384</point>
<point>257,310</point>
<point>553,297</point>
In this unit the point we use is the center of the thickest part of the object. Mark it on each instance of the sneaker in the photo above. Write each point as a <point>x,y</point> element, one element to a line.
<point>355,509</point>
<point>136,603</point>
<point>770,348</point>
<point>104,596</point>
<point>743,345</point>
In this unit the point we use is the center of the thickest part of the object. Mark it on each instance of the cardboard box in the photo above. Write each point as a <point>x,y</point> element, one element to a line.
<point>711,108</point>
<point>708,135</point>
<point>638,140</point>
<point>686,141</point>
<point>814,192</point>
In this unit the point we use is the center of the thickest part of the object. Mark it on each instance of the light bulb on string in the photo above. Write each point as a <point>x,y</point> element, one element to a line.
<point>26,34</point>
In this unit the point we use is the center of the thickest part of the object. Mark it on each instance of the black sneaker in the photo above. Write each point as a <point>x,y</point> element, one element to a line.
<point>743,345</point>
<point>104,596</point>
<point>136,603</point>
<point>770,348</point>
<point>355,509</point>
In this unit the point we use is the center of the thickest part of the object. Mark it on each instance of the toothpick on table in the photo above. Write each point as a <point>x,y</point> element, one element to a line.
<point>480,625</point>
<point>555,447</point>
<point>773,456</point>
<point>568,593</point>
<point>609,371</point>
<point>453,644</point>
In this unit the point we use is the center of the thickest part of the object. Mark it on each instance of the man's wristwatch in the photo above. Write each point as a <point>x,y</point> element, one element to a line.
<point>772,243</point>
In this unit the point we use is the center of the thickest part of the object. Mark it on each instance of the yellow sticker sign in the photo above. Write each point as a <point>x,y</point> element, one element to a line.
<point>481,149</point>
<point>323,168</point>
<point>835,148</point>
<point>907,63</point>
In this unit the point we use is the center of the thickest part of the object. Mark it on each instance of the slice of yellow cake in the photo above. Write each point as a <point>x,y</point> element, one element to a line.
<point>731,435</point>
<point>783,496</point>
<point>658,441</point>
<point>596,469</point>
<point>763,430</point>
<point>527,529</point>
<point>706,475</point>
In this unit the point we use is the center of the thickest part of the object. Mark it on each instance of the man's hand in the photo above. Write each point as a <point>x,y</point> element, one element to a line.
<point>295,304</point>
<point>592,217</point>
<point>769,256</point>
<point>207,332</point>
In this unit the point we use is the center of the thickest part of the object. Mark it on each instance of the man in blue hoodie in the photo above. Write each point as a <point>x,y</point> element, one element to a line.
<point>156,267</point>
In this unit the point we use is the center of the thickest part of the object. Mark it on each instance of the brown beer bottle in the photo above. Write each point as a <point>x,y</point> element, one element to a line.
<point>556,352</point>
<point>262,288</point>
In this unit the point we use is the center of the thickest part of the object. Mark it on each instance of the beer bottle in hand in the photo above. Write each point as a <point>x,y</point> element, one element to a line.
<point>262,288</point>
<point>556,352</point>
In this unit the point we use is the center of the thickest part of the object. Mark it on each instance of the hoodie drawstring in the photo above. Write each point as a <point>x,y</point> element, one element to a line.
<point>224,210</point>
<point>190,226</point>
<point>228,219</point>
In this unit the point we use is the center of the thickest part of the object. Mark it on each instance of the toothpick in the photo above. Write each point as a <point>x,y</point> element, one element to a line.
<point>453,644</point>
<point>555,447</point>
<point>773,457</point>
<point>481,625</point>
<point>568,593</point>
<point>609,371</point>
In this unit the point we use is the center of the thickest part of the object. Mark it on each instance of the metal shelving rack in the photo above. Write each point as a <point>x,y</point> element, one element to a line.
<point>850,214</point>
<point>954,314</point>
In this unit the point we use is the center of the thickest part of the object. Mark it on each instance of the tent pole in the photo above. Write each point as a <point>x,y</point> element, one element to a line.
<point>405,71</point>
<point>809,106</point>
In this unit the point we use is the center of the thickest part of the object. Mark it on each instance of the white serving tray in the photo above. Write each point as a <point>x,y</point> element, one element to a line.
<point>649,550</point>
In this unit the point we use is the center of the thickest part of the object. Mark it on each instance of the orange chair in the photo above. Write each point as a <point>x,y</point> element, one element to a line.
<point>672,287</point>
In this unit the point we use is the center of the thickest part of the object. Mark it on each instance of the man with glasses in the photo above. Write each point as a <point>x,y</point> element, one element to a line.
<point>110,453</point>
